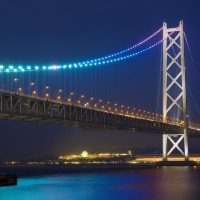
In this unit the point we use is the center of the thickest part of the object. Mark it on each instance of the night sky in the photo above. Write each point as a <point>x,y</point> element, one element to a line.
<point>49,32</point>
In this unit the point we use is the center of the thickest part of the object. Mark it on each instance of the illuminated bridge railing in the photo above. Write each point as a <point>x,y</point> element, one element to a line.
<point>29,108</point>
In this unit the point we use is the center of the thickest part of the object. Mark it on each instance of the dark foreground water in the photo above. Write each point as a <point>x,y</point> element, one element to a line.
<point>140,183</point>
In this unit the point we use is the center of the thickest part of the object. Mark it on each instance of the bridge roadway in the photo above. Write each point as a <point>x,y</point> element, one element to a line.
<point>28,108</point>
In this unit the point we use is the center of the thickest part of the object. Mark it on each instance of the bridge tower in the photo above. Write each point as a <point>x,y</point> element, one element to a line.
<point>174,87</point>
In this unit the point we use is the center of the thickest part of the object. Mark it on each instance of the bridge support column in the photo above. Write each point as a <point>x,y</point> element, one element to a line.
<point>174,88</point>
<point>164,147</point>
<point>186,145</point>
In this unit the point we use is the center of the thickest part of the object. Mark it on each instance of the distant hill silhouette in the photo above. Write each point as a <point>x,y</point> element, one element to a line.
<point>41,159</point>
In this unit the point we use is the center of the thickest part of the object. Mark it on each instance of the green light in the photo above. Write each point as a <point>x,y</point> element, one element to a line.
<point>84,154</point>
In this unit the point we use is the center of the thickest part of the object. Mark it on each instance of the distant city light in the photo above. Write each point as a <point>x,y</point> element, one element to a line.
<point>84,154</point>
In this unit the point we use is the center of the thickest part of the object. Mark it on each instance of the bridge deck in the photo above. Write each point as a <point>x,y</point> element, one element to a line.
<point>27,108</point>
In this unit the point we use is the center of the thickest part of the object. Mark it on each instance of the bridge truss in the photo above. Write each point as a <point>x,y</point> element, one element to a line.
<point>30,109</point>
<point>27,108</point>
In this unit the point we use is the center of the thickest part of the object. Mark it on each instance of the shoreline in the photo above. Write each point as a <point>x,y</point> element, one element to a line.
<point>38,170</point>
<point>34,170</point>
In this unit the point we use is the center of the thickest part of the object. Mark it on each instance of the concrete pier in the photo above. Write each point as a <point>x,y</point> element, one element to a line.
<point>176,163</point>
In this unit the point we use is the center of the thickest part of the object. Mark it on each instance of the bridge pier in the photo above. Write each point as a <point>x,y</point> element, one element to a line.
<point>164,147</point>
<point>175,145</point>
<point>176,163</point>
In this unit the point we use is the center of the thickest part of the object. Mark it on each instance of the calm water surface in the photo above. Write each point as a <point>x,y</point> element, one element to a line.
<point>153,183</point>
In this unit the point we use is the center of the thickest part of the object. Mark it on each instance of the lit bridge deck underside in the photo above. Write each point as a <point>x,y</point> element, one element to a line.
<point>31,109</point>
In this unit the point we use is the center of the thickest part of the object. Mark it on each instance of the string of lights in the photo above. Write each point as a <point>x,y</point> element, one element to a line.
<point>134,46</point>
<point>95,62</point>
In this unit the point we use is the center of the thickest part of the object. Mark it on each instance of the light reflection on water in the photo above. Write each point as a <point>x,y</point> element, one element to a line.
<point>154,183</point>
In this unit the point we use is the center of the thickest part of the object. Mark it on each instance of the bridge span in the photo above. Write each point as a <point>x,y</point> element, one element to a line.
<point>21,107</point>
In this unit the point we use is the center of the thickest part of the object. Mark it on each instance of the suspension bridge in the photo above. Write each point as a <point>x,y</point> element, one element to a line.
<point>38,102</point>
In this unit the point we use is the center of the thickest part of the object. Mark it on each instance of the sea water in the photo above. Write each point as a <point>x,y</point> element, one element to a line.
<point>142,183</point>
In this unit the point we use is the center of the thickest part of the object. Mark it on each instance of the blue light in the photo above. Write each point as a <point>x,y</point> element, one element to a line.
<point>99,61</point>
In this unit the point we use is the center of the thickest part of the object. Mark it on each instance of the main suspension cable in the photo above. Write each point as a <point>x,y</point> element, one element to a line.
<point>80,64</point>
<point>191,56</point>
<point>193,97</point>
